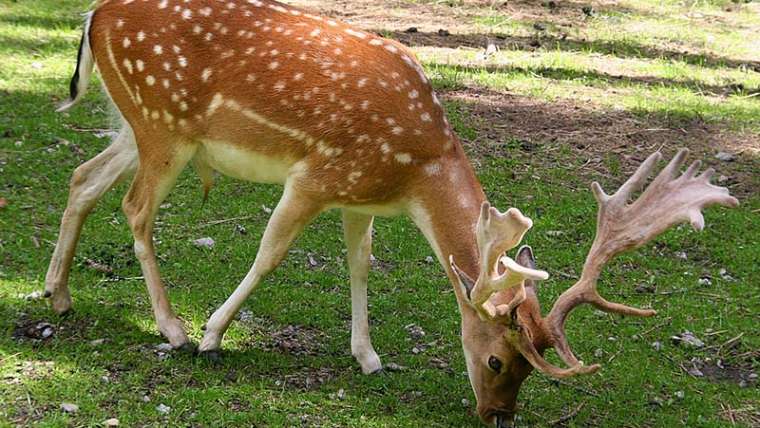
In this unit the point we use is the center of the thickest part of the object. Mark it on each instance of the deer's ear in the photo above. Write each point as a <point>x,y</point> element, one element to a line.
<point>525,257</point>
<point>465,281</point>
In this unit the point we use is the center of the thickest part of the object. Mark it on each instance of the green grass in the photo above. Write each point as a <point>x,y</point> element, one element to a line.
<point>254,385</point>
<point>697,59</point>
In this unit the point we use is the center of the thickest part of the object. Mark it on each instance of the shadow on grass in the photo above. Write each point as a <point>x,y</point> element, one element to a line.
<point>620,48</point>
<point>43,22</point>
<point>605,78</point>
<point>52,44</point>
<point>129,357</point>
<point>508,124</point>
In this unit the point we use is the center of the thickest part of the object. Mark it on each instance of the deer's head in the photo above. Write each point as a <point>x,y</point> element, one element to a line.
<point>506,343</point>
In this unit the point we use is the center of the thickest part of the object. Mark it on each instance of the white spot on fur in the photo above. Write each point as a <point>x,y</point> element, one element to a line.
<point>187,14</point>
<point>126,43</point>
<point>279,86</point>
<point>206,74</point>
<point>426,117</point>
<point>355,33</point>
<point>128,65</point>
<point>182,61</point>
<point>163,4</point>
<point>403,158</point>
<point>273,65</point>
<point>414,94</point>
<point>183,106</point>
<point>140,65</point>
<point>216,102</point>
<point>158,50</point>
<point>140,36</point>
<point>150,80</point>
<point>168,117</point>
<point>432,168</point>
<point>166,83</point>
<point>397,130</point>
<point>391,48</point>
<point>298,76</point>
<point>362,82</point>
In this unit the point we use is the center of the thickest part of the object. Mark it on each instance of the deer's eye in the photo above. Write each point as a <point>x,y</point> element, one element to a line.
<point>494,363</point>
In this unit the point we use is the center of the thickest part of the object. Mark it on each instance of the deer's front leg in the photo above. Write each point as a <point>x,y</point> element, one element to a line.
<point>357,229</point>
<point>90,182</point>
<point>292,214</point>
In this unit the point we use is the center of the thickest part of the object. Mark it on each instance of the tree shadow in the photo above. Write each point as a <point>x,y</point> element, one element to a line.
<point>43,22</point>
<point>562,131</point>
<point>11,45</point>
<point>609,79</point>
<point>619,48</point>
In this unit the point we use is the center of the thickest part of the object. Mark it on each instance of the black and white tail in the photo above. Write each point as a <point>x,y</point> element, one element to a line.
<point>85,64</point>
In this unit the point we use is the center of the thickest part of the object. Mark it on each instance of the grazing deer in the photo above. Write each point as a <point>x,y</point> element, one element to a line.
<point>342,118</point>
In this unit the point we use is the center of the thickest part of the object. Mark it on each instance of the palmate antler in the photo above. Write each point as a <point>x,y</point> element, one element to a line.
<point>496,234</point>
<point>669,200</point>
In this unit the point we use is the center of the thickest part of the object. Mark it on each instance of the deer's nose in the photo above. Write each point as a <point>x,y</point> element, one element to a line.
<point>504,420</point>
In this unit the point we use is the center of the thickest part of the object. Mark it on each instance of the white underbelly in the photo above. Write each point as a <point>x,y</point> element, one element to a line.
<point>243,164</point>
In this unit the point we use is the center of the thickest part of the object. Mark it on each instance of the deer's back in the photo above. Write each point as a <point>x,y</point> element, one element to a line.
<point>351,110</point>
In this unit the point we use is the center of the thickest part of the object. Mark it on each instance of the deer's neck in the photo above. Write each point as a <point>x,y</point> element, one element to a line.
<point>446,210</point>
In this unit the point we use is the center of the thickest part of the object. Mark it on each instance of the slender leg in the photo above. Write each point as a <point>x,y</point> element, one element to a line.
<point>155,177</point>
<point>357,229</point>
<point>89,183</point>
<point>292,214</point>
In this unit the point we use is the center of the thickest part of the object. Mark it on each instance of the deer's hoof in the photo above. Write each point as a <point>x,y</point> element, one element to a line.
<point>214,356</point>
<point>188,348</point>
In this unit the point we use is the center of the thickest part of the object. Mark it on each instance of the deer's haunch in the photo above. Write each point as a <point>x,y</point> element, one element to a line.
<point>345,119</point>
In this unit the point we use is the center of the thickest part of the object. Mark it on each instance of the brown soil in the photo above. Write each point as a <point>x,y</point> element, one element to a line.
<point>593,134</point>
<point>308,378</point>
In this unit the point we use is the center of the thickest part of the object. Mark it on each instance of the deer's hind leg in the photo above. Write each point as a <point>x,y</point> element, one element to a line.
<point>89,183</point>
<point>162,159</point>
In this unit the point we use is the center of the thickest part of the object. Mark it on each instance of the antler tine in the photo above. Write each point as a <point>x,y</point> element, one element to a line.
<point>668,200</point>
<point>637,180</point>
<point>496,234</point>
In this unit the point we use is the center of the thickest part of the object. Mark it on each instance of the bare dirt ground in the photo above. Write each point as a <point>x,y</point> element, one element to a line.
<point>593,133</point>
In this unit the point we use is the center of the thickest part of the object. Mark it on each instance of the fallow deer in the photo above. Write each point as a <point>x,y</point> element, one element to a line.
<point>343,119</point>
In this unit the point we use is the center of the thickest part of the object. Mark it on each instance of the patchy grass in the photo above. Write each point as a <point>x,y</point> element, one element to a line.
<point>539,121</point>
